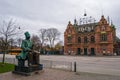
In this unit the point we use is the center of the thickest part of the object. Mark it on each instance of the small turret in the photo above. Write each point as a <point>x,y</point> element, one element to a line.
<point>108,20</point>
<point>75,22</point>
<point>112,25</point>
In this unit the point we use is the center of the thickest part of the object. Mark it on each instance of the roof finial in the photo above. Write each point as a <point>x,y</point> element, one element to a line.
<point>69,22</point>
<point>75,21</point>
<point>85,13</point>
<point>102,12</point>
<point>108,19</point>
<point>111,22</point>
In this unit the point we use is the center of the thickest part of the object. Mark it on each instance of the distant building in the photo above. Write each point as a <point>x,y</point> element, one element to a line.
<point>117,46</point>
<point>90,38</point>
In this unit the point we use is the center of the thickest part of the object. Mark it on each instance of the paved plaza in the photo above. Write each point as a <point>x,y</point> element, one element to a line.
<point>103,65</point>
<point>54,74</point>
<point>108,65</point>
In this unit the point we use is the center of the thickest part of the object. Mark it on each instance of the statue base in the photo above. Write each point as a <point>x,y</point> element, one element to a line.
<point>27,71</point>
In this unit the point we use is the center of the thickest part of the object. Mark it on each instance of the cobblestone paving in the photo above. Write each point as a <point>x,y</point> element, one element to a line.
<point>54,74</point>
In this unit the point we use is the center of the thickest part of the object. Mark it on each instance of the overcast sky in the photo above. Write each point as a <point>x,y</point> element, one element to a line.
<point>36,14</point>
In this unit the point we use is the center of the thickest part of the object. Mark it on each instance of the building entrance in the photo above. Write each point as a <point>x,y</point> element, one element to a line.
<point>92,51</point>
<point>78,51</point>
<point>85,51</point>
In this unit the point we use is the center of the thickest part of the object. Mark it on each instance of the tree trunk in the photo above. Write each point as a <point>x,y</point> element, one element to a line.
<point>5,50</point>
<point>3,60</point>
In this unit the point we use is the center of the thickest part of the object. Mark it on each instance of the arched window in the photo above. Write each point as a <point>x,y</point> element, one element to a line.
<point>79,40</point>
<point>69,39</point>
<point>92,39</point>
<point>103,37</point>
<point>85,39</point>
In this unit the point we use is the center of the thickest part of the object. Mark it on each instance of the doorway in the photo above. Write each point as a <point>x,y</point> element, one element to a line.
<point>92,51</point>
<point>85,51</point>
<point>78,51</point>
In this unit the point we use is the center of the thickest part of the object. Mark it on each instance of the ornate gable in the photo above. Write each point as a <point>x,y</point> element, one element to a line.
<point>70,29</point>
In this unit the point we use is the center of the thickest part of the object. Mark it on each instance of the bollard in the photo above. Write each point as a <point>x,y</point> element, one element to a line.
<point>74,66</point>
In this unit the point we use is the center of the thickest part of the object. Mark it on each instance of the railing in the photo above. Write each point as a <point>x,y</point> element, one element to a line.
<point>57,64</point>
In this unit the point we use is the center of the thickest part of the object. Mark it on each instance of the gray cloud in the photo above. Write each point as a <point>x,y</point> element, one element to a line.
<point>57,13</point>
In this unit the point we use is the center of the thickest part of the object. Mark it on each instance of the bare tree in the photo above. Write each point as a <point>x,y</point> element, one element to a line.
<point>36,42</point>
<point>1,44</point>
<point>7,31</point>
<point>11,43</point>
<point>52,35</point>
<point>19,41</point>
<point>42,36</point>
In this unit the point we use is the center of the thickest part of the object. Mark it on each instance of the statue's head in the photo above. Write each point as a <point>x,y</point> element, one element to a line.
<point>27,35</point>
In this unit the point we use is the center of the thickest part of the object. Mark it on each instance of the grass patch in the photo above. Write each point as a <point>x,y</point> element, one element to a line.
<point>6,67</point>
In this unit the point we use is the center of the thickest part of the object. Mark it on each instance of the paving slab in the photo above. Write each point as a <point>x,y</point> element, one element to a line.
<point>54,74</point>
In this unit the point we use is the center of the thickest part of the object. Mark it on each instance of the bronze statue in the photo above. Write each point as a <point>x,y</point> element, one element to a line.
<point>29,54</point>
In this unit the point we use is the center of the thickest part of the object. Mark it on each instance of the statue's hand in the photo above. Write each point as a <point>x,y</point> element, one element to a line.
<point>28,50</point>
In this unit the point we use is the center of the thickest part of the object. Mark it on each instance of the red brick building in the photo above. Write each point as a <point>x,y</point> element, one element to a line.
<point>96,38</point>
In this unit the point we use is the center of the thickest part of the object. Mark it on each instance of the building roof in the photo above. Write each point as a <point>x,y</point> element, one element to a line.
<point>85,27</point>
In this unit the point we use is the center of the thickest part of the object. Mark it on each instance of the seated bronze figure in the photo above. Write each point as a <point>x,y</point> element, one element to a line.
<point>28,54</point>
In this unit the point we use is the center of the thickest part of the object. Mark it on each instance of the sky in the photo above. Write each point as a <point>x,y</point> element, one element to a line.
<point>33,15</point>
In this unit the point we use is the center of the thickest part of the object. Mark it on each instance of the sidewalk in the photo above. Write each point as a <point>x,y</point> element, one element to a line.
<point>54,74</point>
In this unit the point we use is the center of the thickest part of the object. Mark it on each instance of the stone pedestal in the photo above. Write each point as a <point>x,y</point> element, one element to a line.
<point>27,71</point>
